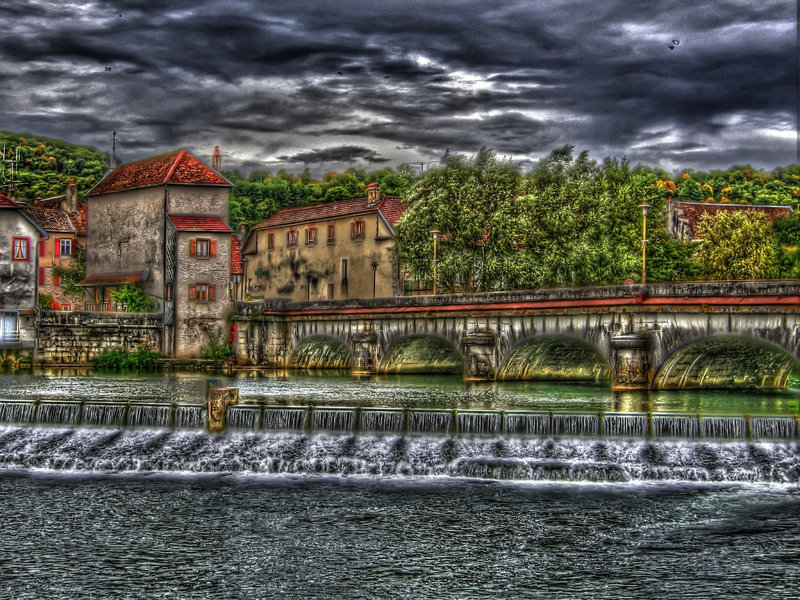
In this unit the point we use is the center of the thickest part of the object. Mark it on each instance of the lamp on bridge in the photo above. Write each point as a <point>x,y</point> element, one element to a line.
<point>435,234</point>
<point>644,208</point>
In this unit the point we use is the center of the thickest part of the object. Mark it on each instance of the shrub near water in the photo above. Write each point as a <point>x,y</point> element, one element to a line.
<point>144,359</point>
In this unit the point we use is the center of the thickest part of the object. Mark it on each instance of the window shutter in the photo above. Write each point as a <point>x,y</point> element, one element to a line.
<point>212,248</point>
<point>41,275</point>
<point>57,280</point>
<point>192,293</point>
<point>57,247</point>
<point>41,248</point>
<point>193,248</point>
<point>212,293</point>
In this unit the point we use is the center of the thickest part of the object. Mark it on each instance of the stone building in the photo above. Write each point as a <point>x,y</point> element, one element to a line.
<point>327,251</point>
<point>161,224</point>
<point>19,263</point>
<point>65,222</point>
<point>683,218</point>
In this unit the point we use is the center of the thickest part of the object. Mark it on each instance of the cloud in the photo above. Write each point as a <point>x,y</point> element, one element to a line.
<point>286,83</point>
<point>338,154</point>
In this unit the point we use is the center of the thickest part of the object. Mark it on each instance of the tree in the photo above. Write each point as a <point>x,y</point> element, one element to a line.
<point>736,245</point>
<point>471,203</point>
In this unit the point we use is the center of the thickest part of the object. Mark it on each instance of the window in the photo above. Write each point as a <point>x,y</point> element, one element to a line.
<point>42,248</point>
<point>331,233</point>
<point>331,291</point>
<point>344,270</point>
<point>63,247</point>
<point>270,241</point>
<point>168,292</point>
<point>202,292</point>
<point>19,249</point>
<point>311,236</point>
<point>291,237</point>
<point>357,231</point>
<point>202,248</point>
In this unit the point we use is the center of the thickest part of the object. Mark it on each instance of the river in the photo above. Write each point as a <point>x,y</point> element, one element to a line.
<point>140,513</point>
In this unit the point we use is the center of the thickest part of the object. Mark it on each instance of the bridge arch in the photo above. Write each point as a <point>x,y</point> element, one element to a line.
<point>422,353</point>
<point>725,361</point>
<point>321,352</point>
<point>554,357</point>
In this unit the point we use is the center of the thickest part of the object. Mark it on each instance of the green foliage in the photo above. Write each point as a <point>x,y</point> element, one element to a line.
<point>74,273</point>
<point>46,165</point>
<point>134,298</point>
<point>44,301</point>
<point>144,359</point>
<point>736,245</point>
<point>217,352</point>
<point>11,360</point>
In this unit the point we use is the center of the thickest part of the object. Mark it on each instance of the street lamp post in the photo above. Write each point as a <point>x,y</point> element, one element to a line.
<point>435,233</point>
<point>644,208</point>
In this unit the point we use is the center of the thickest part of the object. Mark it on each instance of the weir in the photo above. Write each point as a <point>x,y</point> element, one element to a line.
<point>412,421</point>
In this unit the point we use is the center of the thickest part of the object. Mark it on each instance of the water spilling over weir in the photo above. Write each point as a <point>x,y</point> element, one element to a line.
<point>517,445</point>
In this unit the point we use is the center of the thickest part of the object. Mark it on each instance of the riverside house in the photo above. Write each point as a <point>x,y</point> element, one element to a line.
<point>161,224</point>
<point>19,287</point>
<point>327,251</point>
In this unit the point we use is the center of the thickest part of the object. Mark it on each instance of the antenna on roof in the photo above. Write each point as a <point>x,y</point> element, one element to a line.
<point>112,160</point>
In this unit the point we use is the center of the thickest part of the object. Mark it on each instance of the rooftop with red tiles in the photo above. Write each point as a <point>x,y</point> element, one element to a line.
<point>51,219</point>
<point>198,223</point>
<point>693,212</point>
<point>178,167</point>
<point>6,202</point>
<point>80,219</point>
<point>391,207</point>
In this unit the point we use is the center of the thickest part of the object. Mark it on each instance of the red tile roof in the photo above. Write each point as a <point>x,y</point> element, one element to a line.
<point>692,212</point>
<point>176,167</point>
<point>80,219</point>
<point>198,223</point>
<point>236,256</point>
<point>333,210</point>
<point>6,202</point>
<point>114,279</point>
<point>51,219</point>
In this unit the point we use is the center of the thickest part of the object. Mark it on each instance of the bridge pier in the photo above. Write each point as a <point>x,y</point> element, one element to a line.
<point>365,353</point>
<point>630,361</point>
<point>480,356</point>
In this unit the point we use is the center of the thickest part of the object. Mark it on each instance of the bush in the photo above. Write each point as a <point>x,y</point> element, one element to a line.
<point>44,301</point>
<point>144,359</point>
<point>217,352</point>
<point>134,298</point>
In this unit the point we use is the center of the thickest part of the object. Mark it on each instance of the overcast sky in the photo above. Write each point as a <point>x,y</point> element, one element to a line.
<point>333,84</point>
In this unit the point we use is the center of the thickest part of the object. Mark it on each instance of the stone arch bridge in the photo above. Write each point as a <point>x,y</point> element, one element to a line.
<point>708,334</point>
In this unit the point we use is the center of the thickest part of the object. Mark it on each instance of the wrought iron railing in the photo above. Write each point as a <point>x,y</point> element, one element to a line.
<point>105,307</point>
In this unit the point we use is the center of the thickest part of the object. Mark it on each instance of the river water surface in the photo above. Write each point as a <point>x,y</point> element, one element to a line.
<point>105,513</point>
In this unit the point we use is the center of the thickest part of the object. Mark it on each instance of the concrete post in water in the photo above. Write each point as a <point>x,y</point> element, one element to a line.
<point>631,364</point>
<point>480,356</point>
<point>217,401</point>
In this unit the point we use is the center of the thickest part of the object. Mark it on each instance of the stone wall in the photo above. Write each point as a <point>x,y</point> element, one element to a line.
<point>77,338</point>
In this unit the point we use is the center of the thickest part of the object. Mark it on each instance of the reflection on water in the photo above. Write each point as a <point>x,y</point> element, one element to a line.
<point>397,391</point>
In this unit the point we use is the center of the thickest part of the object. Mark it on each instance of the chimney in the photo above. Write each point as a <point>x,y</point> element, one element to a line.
<point>241,234</point>
<point>216,160</point>
<point>373,193</point>
<point>71,199</point>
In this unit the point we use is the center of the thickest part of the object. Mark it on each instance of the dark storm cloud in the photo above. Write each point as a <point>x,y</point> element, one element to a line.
<point>322,83</point>
<point>338,154</point>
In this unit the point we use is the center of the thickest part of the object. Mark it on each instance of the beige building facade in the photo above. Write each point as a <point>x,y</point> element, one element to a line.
<point>331,251</point>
